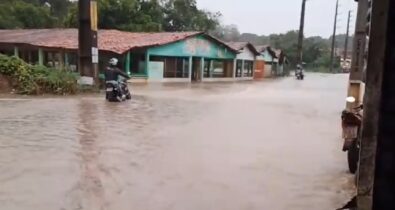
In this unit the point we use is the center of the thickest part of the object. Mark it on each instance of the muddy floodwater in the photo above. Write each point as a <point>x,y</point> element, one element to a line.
<point>271,145</point>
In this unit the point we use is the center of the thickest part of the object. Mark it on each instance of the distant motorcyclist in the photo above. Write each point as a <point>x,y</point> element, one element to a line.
<point>112,72</point>
<point>299,73</point>
<point>299,68</point>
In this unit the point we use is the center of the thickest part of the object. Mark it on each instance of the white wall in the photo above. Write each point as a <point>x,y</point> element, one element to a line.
<point>260,58</point>
<point>268,70</point>
<point>246,54</point>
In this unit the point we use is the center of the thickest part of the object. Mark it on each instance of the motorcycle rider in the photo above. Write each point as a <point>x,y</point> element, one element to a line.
<point>299,68</point>
<point>299,71</point>
<point>112,72</point>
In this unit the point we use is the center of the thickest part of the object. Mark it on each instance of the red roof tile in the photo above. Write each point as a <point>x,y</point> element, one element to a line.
<point>109,40</point>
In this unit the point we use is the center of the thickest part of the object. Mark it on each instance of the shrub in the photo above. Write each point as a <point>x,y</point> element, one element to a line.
<point>37,79</point>
<point>55,81</point>
<point>20,72</point>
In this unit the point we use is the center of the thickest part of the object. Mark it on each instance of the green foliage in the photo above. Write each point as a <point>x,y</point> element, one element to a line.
<point>183,15</point>
<point>20,72</point>
<point>316,50</point>
<point>54,81</point>
<point>25,14</point>
<point>227,33</point>
<point>149,16</point>
<point>30,79</point>
<point>128,15</point>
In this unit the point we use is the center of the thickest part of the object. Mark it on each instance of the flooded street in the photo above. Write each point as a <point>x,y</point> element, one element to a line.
<point>243,146</point>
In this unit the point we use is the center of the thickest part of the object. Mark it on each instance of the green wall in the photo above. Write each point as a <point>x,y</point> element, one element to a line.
<point>266,56</point>
<point>198,46</point>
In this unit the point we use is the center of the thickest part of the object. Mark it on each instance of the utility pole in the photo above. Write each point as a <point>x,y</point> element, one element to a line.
<point>88,57</point>
<point>376,170</point>
<point>301,34</point>
<point>347,34</point>
<point>334,37</point>
<point>356,80</point>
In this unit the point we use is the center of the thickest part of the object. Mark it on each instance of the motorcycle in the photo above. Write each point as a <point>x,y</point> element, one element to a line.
<point>124,86</point>
<point>351,124</point>
<point>117,91</point>
<point>299,75</point>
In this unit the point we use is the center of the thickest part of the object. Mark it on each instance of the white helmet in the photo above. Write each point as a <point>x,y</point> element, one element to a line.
<point>113,61</point>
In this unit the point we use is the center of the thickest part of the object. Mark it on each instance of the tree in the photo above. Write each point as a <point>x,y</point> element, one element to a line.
<point>149,16</point>
<point>227,33</point>
<point>18,14</point>
<point>183,15</point>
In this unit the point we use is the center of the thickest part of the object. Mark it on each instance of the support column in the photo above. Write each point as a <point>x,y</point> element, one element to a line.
<point>127,63</point>
<point>376,166</point>
<point>190,69</point>
<point>356,79</point>
<point>147,59</point>
<point>66,59</point>
<point>201,69</point>
<point>210,68</point>
<point>40,57</point>
<point>61,60</point>
<point>16,52</point>
<point>30,57</point>
<point>234,68</point>
<point>242,68</point>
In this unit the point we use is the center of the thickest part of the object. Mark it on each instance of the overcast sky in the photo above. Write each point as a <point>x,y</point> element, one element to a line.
<point>278,16</point>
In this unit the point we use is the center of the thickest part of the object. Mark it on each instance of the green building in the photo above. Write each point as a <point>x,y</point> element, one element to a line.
<point>151,57</point>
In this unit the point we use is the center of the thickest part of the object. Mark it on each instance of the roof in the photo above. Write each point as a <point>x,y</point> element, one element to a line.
<point>277,52</point>
<point>261,48</point>
<point>238,46</point>
<point>109,40</point>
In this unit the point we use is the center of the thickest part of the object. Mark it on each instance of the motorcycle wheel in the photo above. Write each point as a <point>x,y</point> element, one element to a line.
<point>353,157</point>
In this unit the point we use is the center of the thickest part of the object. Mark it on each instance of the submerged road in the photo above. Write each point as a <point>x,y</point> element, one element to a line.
<point>245,146</point>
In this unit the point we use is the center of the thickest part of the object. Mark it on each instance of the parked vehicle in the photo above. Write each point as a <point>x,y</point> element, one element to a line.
<point>351,124</point>
<point>117,91</point>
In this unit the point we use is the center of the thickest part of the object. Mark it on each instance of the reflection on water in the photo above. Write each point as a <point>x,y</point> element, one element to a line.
<point>220,146</point>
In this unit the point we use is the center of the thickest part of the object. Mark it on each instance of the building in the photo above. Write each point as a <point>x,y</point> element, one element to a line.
<point>173,57</point>
<point>246,64</point>
<point>268,55</point>
<point>282,63</point>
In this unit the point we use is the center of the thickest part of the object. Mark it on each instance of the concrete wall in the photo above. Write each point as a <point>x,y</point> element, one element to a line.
<point>156,70</point>
<point>244,79</point>
<point>170,80</point>
<point>268,70</point>
<point>230,79</point>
